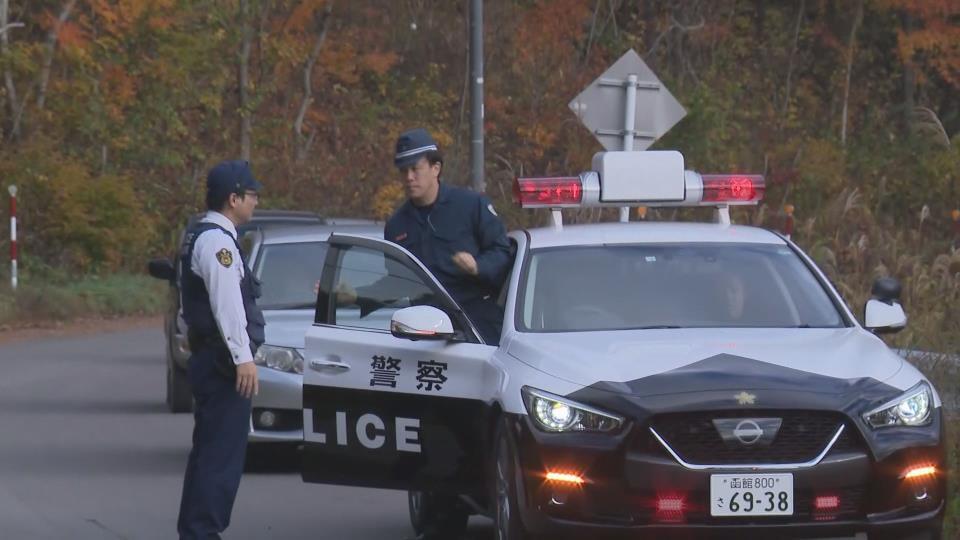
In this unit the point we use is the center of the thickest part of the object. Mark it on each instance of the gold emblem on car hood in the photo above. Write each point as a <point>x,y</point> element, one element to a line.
<point>745,398</point>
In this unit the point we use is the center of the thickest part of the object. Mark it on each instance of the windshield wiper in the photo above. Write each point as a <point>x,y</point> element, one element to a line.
<point>657,327</point>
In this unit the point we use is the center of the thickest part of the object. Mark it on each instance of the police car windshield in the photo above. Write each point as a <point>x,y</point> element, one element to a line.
<point>288,274</point>
<point>688,285</point>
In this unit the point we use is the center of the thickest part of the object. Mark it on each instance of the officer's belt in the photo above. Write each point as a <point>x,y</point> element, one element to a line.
<point>222,359</point>
<point>198,341</point>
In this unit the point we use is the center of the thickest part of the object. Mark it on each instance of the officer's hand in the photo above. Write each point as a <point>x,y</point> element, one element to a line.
<point>247,383</point>
<point>465,262</point>
<point>346,295</point>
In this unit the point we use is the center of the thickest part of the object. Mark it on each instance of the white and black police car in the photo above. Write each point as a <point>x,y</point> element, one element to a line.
<point>698,379</point>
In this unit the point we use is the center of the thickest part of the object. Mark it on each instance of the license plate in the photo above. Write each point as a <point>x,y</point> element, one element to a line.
<point>751,495</point>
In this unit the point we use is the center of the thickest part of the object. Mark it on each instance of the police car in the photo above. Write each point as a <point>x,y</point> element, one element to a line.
<point>651,378</point>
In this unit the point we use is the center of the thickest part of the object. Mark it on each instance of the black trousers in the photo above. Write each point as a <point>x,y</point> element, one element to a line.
<point>487,316</point>
<point>221,425</point>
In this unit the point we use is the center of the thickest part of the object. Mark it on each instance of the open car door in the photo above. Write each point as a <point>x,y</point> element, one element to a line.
<point>386,411</point>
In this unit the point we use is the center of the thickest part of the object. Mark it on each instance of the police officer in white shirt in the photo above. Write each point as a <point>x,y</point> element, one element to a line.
<point>225,327</point>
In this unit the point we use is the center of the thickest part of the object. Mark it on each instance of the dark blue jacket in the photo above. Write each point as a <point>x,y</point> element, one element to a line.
<point>461,220</point>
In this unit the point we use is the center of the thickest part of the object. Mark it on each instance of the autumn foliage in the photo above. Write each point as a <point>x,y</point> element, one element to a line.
<point>112,110</point>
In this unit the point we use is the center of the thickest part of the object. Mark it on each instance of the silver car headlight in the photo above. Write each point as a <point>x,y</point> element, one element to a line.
<point>913,408</point>
<point>279,358</point>
<point>557,414</point>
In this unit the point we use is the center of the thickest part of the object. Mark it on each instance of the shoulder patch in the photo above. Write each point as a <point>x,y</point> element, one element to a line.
<point>492,211</point>
<point>225,257</point>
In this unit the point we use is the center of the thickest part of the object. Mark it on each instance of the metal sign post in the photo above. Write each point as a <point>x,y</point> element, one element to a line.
<point>13,236</point>
<point>627,120</point>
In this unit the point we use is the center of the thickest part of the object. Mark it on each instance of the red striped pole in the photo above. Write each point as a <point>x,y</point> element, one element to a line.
<point>13,236</point>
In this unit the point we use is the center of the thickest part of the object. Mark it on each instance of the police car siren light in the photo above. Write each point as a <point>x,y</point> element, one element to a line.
<point>554,192</point>
<point>651,178</point>
<point>732,188</point>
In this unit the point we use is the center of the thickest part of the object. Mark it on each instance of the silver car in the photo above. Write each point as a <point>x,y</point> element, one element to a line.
<point>288,262</point>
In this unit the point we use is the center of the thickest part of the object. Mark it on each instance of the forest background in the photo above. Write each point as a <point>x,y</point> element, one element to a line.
<point>111,111</point>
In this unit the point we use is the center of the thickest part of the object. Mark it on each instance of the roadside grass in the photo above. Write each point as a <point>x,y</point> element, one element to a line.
<point>44,300</point>
<point>943,370</point>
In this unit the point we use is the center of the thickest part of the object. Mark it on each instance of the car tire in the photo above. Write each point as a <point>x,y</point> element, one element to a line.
<point>179,395</point>
<point>507,523</point>
<point>436,516</point>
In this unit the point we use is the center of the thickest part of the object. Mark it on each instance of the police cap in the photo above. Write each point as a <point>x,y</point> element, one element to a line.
<point>231,177</point>
<point>413,145</point>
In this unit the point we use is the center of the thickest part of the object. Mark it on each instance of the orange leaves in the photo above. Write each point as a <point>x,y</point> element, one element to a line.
<point>303,16</point>
<point>72,36</point>
<point>387,197</point>
<point>379,62</point>
<point>937,46</point>
<point>119,89</point>
<point>934,39</point>
<point>119,17</point>
<point>552,28</point>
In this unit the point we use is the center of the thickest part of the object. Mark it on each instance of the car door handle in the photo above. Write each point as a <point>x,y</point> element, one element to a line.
<point>325,364</point>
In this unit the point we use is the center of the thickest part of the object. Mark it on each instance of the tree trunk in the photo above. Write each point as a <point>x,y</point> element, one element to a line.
<point>52,38</point>
<point>243,76</point>
<point>15,108</point>
<point>850,51</point>
<point>322,25</point>
<point>793,53</point>
<point>909,82</point>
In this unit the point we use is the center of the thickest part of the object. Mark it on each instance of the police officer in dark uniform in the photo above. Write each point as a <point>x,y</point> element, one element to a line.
<point>225,327</point>
<point>455,232</point>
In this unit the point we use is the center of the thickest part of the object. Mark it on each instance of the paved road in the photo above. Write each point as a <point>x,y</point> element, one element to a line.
<point>88,451</point>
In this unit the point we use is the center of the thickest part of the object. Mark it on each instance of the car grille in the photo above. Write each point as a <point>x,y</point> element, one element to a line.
<point>692,436</point>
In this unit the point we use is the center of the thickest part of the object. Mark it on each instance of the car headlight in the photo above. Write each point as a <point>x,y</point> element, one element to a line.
<point>279,358</point>
<point>558,414</point>
<point>913,408</point>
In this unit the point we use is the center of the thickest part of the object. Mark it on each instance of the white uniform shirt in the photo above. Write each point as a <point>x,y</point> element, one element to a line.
<point>217,261</point>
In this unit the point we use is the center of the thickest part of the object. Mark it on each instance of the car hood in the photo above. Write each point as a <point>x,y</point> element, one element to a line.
<point>703,361</point>
<point>288,327</point>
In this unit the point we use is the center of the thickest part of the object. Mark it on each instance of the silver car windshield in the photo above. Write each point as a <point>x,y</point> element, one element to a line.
<point>688,285</point>
<point>288,274</point>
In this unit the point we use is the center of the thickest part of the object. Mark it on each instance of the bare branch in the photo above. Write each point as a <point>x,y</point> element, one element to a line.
<point>243,79</point>
<point>15,111</point>
<point>323,26</point>
<point>846,89</point>
<point>10,26</point>
<point>793,52</point>
<point>52,39</point>
<point>593,28</point>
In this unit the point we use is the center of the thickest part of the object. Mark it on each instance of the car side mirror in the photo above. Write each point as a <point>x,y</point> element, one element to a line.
<point>421,322</point>
<point>162,269</point>
<point>883,313</point>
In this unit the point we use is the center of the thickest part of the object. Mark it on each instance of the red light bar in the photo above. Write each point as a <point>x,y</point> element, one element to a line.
<point>732,188</point>
<point>548,192</point>
<point>826,502</point>
<point>670,504</point>
<point>671,508</point>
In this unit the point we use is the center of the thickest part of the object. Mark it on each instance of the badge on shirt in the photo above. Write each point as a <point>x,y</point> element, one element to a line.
<point>492,211</point>
<point>225,257</point>
<point>400,237</point>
